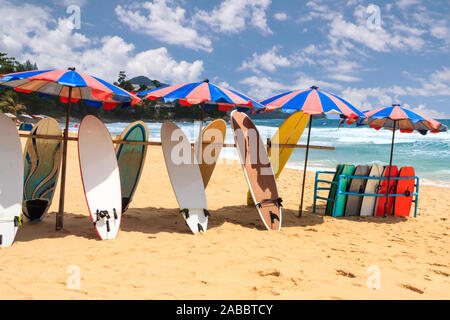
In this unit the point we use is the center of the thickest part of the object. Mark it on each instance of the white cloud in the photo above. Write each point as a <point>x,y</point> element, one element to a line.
<point>268,61</point>
<point>281,16</point>
<point>233,16</point>
<point>263,87</point>
<point>163,21</point>
<point>404,4</point>
<point>67,3</point>
<point>344,77</point>
<point>60,46</point>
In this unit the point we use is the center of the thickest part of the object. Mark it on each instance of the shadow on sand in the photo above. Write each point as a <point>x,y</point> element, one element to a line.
<point>153,220</point>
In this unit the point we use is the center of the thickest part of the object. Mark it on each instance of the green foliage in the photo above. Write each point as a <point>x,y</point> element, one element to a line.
<point>10,103</point>
<point>123,83</point>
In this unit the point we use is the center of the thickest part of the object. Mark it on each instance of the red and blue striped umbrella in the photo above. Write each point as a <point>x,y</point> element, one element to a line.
<point>70,86</point>
<point>315,103</point>
<point>398,118</point>
<point>405,120</point>
<point>311,101</point>
<point>94,91</point>
<point>202,92</point>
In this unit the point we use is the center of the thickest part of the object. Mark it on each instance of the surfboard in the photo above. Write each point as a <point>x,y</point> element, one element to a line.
<point>185,176</point>
<point>42,162</point>
<point>402,206</point>
<point>332,192</point>
<point>345,182</point>
<point>381,201</point>
<point>214,133</point>
<point>288,133</point>
<point>11,181</point>
<point>100,176</point>
<point>257,169</point>
<point>131,159</point>
<point>353,205</point>
<point>372,187</point>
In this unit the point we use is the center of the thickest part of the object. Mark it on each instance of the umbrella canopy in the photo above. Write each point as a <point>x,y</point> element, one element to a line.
<point>70,86</point>
<point>314,102</point>
<point>202,92</point>
<point>10,115</point>
<point>311,101</point>
<point>406,121</point>
<point>94,91</point>
<point>24,115</point>
<point>398,118</point>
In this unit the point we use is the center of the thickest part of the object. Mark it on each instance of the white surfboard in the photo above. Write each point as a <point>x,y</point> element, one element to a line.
<point>368,203</point>
<point>100,175</point>
<point>11,181</point>
<point>185,176</point>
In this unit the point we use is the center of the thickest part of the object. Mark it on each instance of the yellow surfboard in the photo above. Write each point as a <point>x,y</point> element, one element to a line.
<point>289,133</point>
<point>213,133</point>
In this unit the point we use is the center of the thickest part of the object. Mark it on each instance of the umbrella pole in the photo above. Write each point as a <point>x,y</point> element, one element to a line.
<point>300,209</point>
<point>389,172</point>
<point>60,214</point>
<point>202,114</point>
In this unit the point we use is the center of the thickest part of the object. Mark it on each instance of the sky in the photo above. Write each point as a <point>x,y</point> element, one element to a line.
<point>371,53</point>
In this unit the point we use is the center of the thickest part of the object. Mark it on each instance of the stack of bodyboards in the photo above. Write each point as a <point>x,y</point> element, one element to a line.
<point>362,202</point>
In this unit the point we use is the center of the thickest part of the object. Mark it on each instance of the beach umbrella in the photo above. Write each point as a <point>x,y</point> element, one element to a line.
<point>70,86</point>
<point>24,115</point>
<point>313,102</point>
<point>398,118</point>
<point>10,115</point>
<point>202,93</point>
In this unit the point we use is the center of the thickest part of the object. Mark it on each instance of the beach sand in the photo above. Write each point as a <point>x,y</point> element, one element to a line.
<point>156,257</point>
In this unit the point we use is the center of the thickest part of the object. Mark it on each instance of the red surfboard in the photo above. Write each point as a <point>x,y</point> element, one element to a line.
<point>381,201</point>
<point>403,204</point>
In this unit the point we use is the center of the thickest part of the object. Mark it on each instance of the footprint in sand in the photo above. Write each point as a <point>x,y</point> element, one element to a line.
<point>410,287</point>
<point>273,272</point>
<point>345,274</point>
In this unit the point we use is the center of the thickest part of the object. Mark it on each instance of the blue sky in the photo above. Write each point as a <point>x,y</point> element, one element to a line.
<point>371,53</point>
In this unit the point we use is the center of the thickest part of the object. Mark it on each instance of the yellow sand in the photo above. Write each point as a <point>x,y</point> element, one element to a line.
<point>156,257</point>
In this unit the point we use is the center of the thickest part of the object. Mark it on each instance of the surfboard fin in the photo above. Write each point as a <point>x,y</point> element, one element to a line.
<point>200,228</point>
<point>273,217</point>
<point>206,212</point>
<point>115,213</point>
<point>186,212</point>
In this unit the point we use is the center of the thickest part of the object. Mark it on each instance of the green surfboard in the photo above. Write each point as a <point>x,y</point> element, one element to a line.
<point>131,159</point>
<point>332,193</point>
<point>345,182</point>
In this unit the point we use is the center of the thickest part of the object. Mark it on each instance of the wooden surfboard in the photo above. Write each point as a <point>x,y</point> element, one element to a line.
<point>214,132</point>
<point>353,205</point>
<point>345,182</point>
<point>185,176</point>
<point>42,162</point>
<point>372,187</point>
<point>257,170</point>
<point>289,133</point>
<point>11,181</point>
<point>381,201</point>
<point>100,176</point>
<point>332,192</point>
<point>402,206</point>
<point>131,160</point>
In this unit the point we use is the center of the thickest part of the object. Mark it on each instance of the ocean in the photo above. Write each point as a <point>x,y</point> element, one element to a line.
<point>429,154</point>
